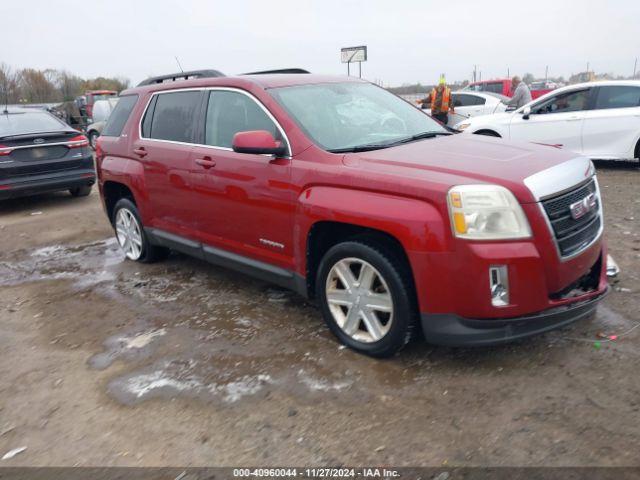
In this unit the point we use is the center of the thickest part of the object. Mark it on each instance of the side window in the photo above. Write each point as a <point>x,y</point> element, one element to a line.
<point>618,97</point>
<point>231,112</point>
<point>119,116</point>
<point>148,116</point>
<point>174,116</point>
<point>462,100</point>
<point>494,87</point>
<point>565,102</point>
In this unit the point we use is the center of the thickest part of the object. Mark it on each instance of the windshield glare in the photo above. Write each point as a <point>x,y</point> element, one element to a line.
<point>340,116</point>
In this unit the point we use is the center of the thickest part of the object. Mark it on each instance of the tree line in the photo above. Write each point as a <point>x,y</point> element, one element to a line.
<point>29,85</point>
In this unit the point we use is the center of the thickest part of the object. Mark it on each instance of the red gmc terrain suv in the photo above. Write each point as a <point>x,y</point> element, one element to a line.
<point>348,195</point>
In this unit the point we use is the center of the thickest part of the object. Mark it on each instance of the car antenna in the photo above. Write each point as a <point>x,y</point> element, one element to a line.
<point>179,66</point>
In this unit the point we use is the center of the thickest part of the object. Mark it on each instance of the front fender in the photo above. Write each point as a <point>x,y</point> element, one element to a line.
<point>415,223</point>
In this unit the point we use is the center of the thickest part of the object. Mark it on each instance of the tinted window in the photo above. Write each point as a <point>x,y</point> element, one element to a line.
<point>462,100</point>
<point>119,116</point>
<point>174,116</point>
<point>148,116</point>
<point>17,123</point>
<point>618,97</point>
<point>231,112</point>
<point>566,102</point>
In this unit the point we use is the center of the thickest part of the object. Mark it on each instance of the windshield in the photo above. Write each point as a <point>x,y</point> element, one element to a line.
<point>20,123</point>
<point>345,116</point>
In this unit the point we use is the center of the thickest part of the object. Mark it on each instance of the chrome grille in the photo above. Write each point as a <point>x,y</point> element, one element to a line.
<point>573,234</point>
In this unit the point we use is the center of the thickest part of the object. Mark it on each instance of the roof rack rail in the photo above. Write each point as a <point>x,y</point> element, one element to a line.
<point>280,70</point>
<point>175,77</point>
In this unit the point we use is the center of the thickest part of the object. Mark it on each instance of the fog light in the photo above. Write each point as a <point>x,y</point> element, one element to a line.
<point>499,285</point>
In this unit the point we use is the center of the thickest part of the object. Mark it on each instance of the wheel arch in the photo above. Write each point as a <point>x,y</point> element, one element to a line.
<point>325,234</point>
<point>330,215</point>
<point>488,131</point>
<point>113,191</point>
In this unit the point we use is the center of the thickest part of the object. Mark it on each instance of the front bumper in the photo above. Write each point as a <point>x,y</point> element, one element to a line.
<point>452,330</point>
<point>44,183</point>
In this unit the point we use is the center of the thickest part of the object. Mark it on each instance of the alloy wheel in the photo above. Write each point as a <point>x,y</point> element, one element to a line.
<point>359,300</point>
<point>129,234</point>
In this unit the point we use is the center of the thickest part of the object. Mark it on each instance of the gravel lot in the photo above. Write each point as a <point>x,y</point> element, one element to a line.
<point>107,362</point>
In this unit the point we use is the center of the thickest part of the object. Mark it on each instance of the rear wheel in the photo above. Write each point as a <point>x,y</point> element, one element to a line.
<point>131,236</point>
<point>93,138</point>
<point>81,191</point>
<point>367,297</point>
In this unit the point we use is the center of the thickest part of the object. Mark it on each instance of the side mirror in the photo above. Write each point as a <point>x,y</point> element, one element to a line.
<point>258,142</point>
<point>526,113</point>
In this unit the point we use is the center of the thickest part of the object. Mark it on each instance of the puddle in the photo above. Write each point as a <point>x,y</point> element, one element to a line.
<point>204,332</point>
<point>176,377</point>
<point>132,347</point>
<point>87,264</point>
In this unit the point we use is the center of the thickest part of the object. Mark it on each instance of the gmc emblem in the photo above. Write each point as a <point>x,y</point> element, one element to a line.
<point>582,207</point>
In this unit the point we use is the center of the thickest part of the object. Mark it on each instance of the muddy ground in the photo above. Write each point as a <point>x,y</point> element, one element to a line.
<point>107,362</point>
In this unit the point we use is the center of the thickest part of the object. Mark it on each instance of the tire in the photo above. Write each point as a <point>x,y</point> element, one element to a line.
<point>81,191</point>
<point>131,237</point>
<point>93,138</point>
<point>392,285</point>
<point>487,133</point>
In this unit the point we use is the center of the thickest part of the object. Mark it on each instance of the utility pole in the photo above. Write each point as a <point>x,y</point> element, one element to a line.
<point>508,73</point>
<point>587,67</point>
<point>635,66</point>
<point>546,73</point>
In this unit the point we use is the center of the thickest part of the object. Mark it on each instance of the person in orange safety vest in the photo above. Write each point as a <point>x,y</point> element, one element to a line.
<point>440,101</point>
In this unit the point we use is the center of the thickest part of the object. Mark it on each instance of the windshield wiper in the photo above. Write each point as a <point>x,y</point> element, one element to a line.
<point>378,146</point>
<point>420,136</point>
<point>362,148</point>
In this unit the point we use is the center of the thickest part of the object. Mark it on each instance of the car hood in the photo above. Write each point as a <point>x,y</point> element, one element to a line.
<point>467,159</point>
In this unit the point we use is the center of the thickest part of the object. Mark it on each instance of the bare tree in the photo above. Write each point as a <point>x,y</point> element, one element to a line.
<point>9,88</point>
<point>69,85</point>
<point>35,87</point>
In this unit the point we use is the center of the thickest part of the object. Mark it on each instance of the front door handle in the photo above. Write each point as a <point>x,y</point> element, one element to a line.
<point>206,162</point>
<point>574,119</point>
<point>141,152</point>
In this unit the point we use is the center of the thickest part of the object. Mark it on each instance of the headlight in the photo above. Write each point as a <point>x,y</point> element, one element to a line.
<point>462,126</point>
<point>486,212</point>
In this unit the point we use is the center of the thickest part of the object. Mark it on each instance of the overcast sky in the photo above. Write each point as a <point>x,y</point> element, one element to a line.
<point>408,40</point>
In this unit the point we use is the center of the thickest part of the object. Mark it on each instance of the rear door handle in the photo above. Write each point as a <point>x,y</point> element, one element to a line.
<point>141,152</point>
<point>574,119</point>
<point>206,162</point>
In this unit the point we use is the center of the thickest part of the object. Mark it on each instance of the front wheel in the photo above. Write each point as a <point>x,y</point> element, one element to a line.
<point>131,236</point>
<point>367,297</point>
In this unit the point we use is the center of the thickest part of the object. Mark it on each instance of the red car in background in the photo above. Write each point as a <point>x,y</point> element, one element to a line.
<point>91,96</point>
<point>503,86</point>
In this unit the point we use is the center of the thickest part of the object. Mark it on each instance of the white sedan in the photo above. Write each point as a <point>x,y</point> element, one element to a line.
<point>469,104</point>
<point>600,120</point>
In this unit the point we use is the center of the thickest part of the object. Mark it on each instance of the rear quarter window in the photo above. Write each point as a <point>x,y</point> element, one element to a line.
<point>119,116</point>
<point>619,96</point>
